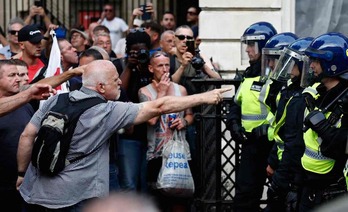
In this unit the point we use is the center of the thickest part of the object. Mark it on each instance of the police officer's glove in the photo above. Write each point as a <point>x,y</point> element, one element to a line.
<point>316,121</point>
<point>238,132</point>
<point>276,194</point>
<point>274,89</point>
<point>260,131</point>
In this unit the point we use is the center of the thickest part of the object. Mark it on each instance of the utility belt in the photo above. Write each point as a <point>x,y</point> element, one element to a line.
<point>335,190</point>
<point>324,195</point>
<point>329,192</point>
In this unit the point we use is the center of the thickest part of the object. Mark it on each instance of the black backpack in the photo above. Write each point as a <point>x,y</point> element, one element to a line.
<point>57,127</point>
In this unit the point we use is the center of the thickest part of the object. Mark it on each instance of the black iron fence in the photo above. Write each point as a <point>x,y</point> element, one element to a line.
<point>219,155</point>
<point>72,13</point>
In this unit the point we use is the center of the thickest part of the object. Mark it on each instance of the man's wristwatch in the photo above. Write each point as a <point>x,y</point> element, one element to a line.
<point>21,174</point>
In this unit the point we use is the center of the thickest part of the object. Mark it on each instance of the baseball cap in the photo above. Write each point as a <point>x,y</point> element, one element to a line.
<point>84,35</point>
<point>30,33</point>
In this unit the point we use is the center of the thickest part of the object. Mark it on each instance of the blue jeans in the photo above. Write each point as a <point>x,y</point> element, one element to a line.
<point>132,165</point>
<point>114,184</point>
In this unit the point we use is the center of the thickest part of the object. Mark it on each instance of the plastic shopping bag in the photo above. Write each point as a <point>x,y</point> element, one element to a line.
<point>175,178</point>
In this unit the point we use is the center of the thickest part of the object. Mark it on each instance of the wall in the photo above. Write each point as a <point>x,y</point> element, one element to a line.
<point>222,23</point>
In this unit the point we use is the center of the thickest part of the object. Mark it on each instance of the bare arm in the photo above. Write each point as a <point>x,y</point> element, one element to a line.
<point>55,81</point>
<point>144,98</point>
<point>173,104</point>
<point>25,146</point>
<point>182,122</point>
<point>136,12</point>
<point>37,91</point>
<point>208,68</point>
<point>33,11</point>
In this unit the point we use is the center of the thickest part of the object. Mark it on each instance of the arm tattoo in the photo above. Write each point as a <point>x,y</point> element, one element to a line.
<point>143,97</point>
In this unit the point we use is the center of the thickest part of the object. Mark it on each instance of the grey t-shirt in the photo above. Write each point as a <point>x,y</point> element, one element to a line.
<point>88,177</point>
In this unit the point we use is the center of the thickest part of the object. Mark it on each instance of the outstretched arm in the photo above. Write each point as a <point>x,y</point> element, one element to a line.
<point>172,104</point>
<point>55,81</point>
<point>37,91</point>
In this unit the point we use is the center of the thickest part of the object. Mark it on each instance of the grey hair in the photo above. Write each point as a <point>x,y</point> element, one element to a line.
<point>171,32</point>
<point>92,79</point>
<point>15,20</point>
<point>101,51</point>
<point>97,72</point>
<point>183,27</point>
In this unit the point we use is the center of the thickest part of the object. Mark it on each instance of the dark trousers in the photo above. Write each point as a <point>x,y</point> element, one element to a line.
<point>11,200</point>
<point>251,175</point>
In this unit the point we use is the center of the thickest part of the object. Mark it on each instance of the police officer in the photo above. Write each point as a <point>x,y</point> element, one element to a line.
<point>284,165</point>
<point>247,114</point>
<point>323,169</point>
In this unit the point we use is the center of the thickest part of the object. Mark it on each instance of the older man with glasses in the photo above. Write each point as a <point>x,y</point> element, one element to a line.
<point>13,48</point>
<point>117,26</point>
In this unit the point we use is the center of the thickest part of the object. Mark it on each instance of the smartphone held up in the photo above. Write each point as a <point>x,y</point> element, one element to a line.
<point>146,15</point>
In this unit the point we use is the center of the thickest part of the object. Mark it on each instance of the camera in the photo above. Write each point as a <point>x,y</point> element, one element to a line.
<point>197,62</point>
<point>143,56</point>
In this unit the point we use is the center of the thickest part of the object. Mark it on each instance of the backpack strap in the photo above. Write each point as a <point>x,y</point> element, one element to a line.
<point>74,110</point>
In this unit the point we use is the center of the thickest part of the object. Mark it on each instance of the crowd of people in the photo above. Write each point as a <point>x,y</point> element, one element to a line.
<point>288,114</point>
<point>133,66</point>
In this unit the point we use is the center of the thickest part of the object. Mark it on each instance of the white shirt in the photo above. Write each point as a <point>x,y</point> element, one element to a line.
<point>116,26</point>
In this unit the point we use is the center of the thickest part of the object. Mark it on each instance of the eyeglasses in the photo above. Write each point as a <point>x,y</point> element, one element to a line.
<point>13,32</point>
<point>182,37</point>
<point>107,10</point>
<point>142,29</point>
<point>191,13</point>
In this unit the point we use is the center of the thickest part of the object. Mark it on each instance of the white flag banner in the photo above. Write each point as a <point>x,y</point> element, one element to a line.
<point>54,65</point>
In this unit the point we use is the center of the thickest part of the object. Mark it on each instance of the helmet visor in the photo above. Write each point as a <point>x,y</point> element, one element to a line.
<point>308,77</point>
<point>290,65</point>
<point>269,61</point>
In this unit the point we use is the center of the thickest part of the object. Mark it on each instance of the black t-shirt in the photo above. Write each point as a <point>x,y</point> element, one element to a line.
<point>11,127</point>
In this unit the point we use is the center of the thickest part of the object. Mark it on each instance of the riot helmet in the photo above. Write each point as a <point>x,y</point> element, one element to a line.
<point>272,51</point>
<point>330,50</point>
<point>254,39</point>
<point>292,61</point>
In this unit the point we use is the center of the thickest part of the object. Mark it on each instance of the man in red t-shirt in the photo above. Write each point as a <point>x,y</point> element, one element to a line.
<point>29,38</point>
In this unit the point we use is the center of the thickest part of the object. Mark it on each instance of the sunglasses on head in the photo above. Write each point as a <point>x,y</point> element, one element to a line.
<point>182,37</point>
<point>159,53</point>
<point>13,32</point>
<point>137,30</point>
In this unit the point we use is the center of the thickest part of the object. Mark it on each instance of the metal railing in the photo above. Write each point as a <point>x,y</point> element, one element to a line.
<point>72,13</point>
